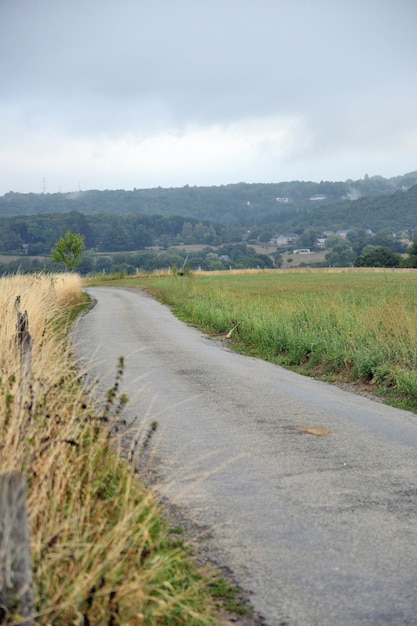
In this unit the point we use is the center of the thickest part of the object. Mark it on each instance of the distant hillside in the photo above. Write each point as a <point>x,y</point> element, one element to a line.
<point>394,212</point>
<point>295,205</point>
<point>230,219</point>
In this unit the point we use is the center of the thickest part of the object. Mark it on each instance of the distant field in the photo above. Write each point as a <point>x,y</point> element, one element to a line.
<point>340,324</point>
<point>296,259</point>
<point>305,259</point>
<point>6,258</point>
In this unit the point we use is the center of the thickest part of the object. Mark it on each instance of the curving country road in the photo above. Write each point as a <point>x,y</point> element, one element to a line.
<point>321,529</point>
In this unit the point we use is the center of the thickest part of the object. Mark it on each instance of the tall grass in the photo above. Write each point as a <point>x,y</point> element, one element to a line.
<point>359,326</point>
<point>101,553</point>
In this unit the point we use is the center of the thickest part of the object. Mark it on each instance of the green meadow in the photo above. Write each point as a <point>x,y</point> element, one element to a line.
<point>357,327</point>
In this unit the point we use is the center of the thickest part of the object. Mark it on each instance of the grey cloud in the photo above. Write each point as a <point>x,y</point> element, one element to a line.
<point>96,67</point>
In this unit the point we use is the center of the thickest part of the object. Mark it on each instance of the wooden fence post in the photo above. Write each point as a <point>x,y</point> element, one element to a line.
<point>23,340</point>
<point>16,590</point>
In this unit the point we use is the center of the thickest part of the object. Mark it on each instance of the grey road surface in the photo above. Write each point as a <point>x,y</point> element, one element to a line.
<point>320,529</point>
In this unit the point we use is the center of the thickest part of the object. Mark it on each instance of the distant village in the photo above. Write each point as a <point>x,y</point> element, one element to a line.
<point>290,240</point>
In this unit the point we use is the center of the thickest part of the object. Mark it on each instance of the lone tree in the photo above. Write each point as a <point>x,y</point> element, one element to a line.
<point>68,250</point>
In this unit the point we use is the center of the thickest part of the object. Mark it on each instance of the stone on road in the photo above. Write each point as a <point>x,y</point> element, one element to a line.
<point>309,491</point>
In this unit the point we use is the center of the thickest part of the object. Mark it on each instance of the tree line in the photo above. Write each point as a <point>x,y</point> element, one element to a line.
<point>37,234</point>
<point>110,232</point>
<point>228,256</point>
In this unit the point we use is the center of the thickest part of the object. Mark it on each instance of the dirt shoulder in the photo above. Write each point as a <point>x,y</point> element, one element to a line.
<point>208,559</point>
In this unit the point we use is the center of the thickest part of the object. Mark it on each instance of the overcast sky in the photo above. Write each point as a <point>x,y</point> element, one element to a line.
<point>99,94</point>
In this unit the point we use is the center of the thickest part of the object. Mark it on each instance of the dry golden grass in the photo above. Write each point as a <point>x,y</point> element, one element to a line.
<point>45,299</point>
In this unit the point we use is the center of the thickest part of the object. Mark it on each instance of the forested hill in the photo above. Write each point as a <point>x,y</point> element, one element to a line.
<point>394,212</point>
<point>296,204</point>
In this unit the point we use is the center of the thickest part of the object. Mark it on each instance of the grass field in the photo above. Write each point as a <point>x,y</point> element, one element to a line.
<point>339,325</point>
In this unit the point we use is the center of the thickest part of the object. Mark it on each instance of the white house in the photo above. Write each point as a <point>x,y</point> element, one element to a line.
<point>283,240</point>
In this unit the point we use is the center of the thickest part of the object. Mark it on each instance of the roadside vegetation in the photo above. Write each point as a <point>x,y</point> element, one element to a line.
<point>355,326</point>
<point>102,553</point>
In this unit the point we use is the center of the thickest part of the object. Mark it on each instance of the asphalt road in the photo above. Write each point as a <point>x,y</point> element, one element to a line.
<point>321,529</point>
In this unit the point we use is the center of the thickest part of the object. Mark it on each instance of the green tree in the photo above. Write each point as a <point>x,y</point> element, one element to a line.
<point>341,255</point>
<point>411,259</point>
<point>277,256</point>
<point>379,257</point>
<point>332,240</point>
<point>187,232</point>
<point>103,264</point>
<point>265,236</point>
<point>359,238</point>
<point>308,238</point>
<point>68,250</point>
<point>383,239</point>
